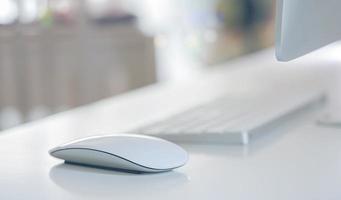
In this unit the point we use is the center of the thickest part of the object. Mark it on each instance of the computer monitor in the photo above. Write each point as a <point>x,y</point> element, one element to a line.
<point>306,25</point>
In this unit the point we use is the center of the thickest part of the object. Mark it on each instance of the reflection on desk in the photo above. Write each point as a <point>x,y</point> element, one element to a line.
<point>100,182</point>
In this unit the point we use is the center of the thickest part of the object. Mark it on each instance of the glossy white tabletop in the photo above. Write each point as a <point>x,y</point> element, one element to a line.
<point>298,160</point>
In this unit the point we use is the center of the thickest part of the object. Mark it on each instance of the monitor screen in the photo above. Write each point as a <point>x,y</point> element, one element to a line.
<point>306,25</point>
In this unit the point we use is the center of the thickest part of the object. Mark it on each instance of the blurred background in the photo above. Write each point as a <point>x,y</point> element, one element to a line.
<point>59,54</point>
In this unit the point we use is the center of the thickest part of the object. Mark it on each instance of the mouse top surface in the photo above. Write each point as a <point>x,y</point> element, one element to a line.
<point>146,151</point>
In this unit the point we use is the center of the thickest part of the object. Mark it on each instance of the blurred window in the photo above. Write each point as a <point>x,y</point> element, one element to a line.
<point>28,11</point>
<point>8,12</point>
<point>63,11</point>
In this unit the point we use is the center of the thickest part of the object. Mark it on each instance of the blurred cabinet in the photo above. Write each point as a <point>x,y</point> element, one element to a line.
<point>47,70</point>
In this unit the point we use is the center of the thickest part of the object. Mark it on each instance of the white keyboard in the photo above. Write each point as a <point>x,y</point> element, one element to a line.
<point>229,120</point>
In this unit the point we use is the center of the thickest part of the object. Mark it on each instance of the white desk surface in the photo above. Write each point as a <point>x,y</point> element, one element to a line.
<point>297,161</point>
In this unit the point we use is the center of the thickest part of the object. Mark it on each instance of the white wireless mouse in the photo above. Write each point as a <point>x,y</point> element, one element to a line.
<point>135,153</point>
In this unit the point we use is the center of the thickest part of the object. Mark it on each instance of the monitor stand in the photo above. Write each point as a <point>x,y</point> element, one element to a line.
<point>330,120</point>
<point>332,114</point>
